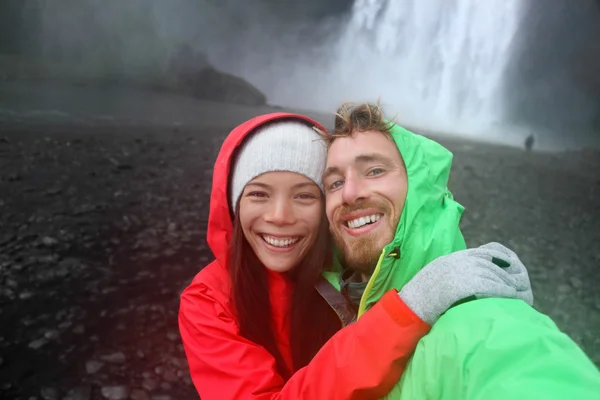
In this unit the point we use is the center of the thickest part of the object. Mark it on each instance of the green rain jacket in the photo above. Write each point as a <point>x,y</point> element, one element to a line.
<point>485,349</point>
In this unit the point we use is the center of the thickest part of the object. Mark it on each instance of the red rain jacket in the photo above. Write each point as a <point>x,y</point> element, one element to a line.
<point>361,361</point>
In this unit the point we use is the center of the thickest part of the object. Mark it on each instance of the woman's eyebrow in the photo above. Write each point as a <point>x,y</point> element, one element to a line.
<point>259,184</point>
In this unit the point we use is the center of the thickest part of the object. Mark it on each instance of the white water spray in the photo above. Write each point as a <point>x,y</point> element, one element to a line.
<point>438,63</point>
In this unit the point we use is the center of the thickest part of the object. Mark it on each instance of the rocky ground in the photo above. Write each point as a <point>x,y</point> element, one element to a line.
<point>101,229</point>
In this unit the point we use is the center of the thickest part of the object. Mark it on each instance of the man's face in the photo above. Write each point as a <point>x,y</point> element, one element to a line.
<point>365,185</point>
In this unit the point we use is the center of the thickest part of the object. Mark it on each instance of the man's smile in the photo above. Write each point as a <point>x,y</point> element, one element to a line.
<point>362,225</point>
<point>361,221</point>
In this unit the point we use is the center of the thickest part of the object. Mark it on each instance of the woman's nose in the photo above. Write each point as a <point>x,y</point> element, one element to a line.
<point>281,212</point>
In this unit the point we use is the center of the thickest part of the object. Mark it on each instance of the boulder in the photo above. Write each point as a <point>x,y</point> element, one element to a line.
<point>193,74</point>
<point>210,84</point>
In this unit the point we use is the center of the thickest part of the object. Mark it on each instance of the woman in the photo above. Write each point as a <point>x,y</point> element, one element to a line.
<point>252,323</point>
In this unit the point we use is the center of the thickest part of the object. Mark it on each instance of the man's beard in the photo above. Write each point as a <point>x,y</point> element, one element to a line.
<point>362,253</point>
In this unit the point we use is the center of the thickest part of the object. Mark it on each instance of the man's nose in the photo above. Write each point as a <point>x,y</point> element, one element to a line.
<point>281,212</point>
<point>354,190</point>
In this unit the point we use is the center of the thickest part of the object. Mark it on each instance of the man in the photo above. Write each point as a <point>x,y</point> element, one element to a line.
<point>390,214</point>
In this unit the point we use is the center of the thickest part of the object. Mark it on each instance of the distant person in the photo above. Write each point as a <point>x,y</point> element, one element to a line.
<point>529,141</point>
<point>255,323</point>
<point>390,214</point>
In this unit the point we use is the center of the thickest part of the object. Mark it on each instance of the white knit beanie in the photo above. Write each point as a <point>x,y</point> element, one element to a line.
<point>279,146</point>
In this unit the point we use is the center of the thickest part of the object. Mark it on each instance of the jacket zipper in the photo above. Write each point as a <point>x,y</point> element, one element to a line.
<point>363,299</point>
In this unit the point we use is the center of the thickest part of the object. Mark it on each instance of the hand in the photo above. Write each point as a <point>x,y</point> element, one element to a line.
<point>491,270</point>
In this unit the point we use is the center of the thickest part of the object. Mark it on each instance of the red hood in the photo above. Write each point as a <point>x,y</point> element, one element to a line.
<point>220,226</point>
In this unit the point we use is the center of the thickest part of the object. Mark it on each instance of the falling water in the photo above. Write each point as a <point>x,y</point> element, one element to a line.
<point>438,63</point>
<point>437,60</point>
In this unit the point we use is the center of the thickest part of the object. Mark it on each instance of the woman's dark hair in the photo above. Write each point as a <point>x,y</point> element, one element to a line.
<point>312,320</point>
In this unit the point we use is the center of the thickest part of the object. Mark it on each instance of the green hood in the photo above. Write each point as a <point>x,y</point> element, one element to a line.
<point>486,349</point>
<point>429,225</point>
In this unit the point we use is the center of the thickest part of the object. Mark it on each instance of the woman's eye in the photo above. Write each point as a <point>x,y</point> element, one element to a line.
<point>306,196</point>
<point>256,194</point>
<point>376,171</point>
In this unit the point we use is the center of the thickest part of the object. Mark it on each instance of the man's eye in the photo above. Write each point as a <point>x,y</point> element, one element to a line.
<point>335,185</point>
<point>376,171</point>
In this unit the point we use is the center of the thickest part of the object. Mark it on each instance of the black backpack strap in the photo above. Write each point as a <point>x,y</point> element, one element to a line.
<point>337,302</point>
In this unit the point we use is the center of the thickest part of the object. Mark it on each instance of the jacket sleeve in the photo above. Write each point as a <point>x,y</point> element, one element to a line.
<point>361,361</point>
<point>498,349</point>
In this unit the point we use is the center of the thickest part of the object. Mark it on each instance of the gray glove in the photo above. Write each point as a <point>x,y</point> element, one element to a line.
<point>491,270</point>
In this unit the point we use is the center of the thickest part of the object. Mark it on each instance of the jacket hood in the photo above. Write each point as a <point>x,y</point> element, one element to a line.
<point>429,225</point>
<point>220,224</point>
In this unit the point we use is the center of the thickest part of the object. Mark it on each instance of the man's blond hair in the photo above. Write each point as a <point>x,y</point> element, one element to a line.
<point>351,118</point>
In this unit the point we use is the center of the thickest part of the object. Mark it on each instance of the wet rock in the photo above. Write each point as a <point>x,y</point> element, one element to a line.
<point>170,376</point>
<point>161,397</point>
<point>48,259</point>
<point>14,177</point>
<point>64,325</point>
<point>150,384</point>
<point>139,394</point>
<point>93,366</point>
<point>576,282</point>
<point>563,288</point>
<point>49,393</point>
<point>7,238</point>
<point>85,209</point>
<point>115,358</point>
<point>109,289</point>
<point>49,241</point>
<point>78,330</point>
<point>61,271</point>
<point>25,295</point>
<point>53,191</point>
<point>178,363</point>
<point>115,392</point>
<point>38,343</point>
<point>80,393</point>
<point>51,334</point>
<point>214,85</point>
<point>7,292</point>
<point>119,165</point>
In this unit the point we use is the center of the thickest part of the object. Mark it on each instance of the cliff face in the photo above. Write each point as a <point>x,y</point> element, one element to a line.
<point>554,76</point>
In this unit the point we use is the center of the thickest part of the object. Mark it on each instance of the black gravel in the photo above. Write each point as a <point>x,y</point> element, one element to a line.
<point>102,228</point>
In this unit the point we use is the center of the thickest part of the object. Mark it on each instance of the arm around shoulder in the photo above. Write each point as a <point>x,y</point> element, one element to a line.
<point>361,361</point>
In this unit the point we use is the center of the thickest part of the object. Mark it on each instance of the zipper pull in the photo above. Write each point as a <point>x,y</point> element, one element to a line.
<point>395,253</point>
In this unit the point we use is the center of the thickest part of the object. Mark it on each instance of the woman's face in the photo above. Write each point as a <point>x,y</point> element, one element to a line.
<point>280,214</point>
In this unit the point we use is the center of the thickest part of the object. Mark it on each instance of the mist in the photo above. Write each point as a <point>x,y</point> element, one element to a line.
<point>495,70</point>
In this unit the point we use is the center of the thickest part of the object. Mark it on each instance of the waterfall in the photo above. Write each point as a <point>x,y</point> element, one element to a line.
<point>438,63</point>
